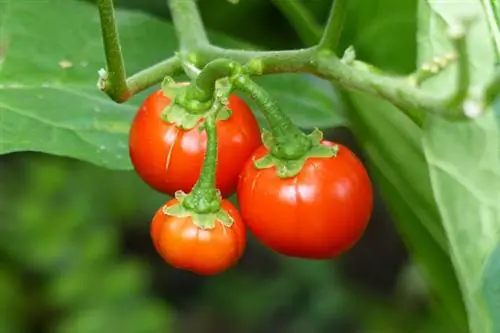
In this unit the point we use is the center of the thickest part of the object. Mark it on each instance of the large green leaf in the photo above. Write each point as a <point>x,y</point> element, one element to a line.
<point>464,163</point>
<point>383,32</point>
<point>50,52</point>
<point>392,144</point>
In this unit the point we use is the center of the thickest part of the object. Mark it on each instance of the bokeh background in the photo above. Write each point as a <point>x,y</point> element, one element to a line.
<point>75,253</point>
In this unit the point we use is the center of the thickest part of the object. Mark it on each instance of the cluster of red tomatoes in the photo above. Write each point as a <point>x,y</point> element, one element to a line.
<point>317,214</point>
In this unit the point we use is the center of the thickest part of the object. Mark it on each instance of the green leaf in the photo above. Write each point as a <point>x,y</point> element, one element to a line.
<point>383,32</point>
<point>491,290</point>
<point>464,163</point>
<point>48,96</point>
<point>392,144</point>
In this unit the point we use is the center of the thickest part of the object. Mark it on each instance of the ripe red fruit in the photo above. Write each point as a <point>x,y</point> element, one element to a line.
<point>204,251</point>
<point>319,213</point>
<point>169,158</point>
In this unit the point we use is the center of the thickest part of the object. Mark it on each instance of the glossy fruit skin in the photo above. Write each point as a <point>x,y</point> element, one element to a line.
<point>206,252</point>
<point>318,214</point>
<point>169,158</point>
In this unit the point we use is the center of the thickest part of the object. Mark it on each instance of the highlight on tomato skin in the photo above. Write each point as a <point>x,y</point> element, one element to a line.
<point>185,246</point>
<point>169,158</point>
<point>318,214</point>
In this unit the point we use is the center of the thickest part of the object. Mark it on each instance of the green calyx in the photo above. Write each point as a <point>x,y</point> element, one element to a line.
<point>287,168</point>
<point>210,85</point>
<point>186,113</point>
<point>204,213</point>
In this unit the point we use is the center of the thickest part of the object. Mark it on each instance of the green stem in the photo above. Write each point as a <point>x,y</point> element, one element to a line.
<point>301,19</point>
<point>463,80</point>
<point>290,142</point>
<point>114,83</point>
<point>309,60</point>
<point>188,24</point>
<point>153,75</point>
<point>334,25</point>
<point>204,86</point>
<point>205,197</point>
<point>493,90</point>
<point>287,61</point>
<point>329,66</point>
<point>207,178</point>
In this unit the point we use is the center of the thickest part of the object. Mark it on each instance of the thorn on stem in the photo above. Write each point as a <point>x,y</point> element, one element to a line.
<point>349,55</point>
<point>103,77</point>
<point>472,108</point>
<point>456,31</point>
<point>459,29</point>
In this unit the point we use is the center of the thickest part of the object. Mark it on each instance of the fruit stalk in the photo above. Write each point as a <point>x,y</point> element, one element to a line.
<point>205,197</point>
<point>202,89</point>
<point>290,142</point>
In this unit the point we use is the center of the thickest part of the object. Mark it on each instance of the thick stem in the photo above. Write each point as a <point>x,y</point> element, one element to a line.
<point>334,25</point>
<point>203,87</point>
<point>188,24</point>
<point>204,197</point>
<point>324,64</point>
<point>287,61</point>
<point>290,142</point>
<point>113,83</point>
<point>328,66</point>
<point>301,19</point>
<point>394,89</point>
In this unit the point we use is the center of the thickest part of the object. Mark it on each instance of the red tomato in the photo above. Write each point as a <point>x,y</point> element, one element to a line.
<point>169,158</point>
<point>204,251</point>
<point>318,214</point>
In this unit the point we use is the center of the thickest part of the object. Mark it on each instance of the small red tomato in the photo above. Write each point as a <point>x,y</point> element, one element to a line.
<point>203,251</point>
<point>169,158</point>
<point>318,214</point>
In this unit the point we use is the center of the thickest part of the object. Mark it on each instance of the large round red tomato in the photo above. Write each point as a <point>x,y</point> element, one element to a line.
<point>318,214</point>
<point>169,158</point>
<point>204,251</point>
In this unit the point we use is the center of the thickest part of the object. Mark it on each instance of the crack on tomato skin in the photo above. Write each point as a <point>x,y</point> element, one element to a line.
<point>253,193</point>
<point>254,183</point>
<point>168,160</point>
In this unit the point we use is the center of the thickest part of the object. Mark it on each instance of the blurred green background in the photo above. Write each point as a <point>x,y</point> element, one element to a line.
<point>76,255</point>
